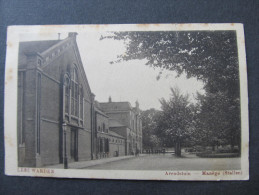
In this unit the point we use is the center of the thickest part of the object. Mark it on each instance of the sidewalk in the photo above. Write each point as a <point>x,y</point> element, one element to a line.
<point>89,163</point>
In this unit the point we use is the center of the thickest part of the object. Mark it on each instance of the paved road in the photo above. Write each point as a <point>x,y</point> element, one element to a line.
<point>170,162</point>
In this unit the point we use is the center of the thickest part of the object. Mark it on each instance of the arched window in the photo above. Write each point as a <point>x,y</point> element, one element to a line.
<point>74,92</point>
<point>73,96</point>
<point>67,87</point>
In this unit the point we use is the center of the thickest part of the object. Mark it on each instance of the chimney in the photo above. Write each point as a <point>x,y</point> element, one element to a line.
<point>72,34</point>
<point>110,99</point>
<point>58,36</point>
<point>92,96</point>
<point>137,104</point>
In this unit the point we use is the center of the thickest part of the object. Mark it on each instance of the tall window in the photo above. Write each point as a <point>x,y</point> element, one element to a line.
<point>67,86</point>
<point>101,145</point>
<point>81,102</point>
<point>104,128</point>
<point>73,96</point>
<point>106,145</point>
<point>74,93</point>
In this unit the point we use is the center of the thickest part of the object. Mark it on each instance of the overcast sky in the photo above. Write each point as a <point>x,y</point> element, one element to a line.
<point>124,81</point>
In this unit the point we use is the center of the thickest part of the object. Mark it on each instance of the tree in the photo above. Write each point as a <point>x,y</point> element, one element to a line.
<point>207,55</point>
<point>176,119</point>
<point>149,125</point>
<point>210,56</point>
<point>217,120</point>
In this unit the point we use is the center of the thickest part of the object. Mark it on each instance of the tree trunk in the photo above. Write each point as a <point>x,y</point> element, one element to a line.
<point>232,147</point>
<point>239,146</point>
<point>178,149</point>
<point>213,147</point>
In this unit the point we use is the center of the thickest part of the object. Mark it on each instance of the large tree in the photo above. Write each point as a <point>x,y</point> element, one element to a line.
<point>202,54</point>
<point>217,120</point>
<point>210,56</point>
<point>176,119</point>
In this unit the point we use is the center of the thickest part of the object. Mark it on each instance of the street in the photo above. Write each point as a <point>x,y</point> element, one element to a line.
<point>170,162</point>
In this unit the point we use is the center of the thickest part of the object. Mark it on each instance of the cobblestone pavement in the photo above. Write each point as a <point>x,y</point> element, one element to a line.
<point>170,162</point>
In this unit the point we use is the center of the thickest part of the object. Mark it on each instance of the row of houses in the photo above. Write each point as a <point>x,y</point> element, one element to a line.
<point>59,119</point>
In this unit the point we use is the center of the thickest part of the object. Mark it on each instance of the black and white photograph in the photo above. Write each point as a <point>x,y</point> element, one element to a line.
<point>136,101</point>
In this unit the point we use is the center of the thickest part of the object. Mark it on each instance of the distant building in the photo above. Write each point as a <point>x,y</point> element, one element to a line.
<point>58,117</point>
<point>108,143</point>
<point>117,145</point>
<point>125,120</point>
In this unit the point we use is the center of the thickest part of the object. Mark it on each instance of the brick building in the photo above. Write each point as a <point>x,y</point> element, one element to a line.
<point>53,90</point>
<point>58,117</point>
<point>117,144</point>
<point>124,131</point>
<point>125,120</point>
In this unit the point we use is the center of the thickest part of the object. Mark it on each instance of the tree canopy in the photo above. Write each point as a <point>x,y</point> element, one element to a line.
<point>176,119</point>
<point>209,56</point>
<point>149,125</point>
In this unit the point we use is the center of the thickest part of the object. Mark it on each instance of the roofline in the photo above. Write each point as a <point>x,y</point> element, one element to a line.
<point>121,126</point>
<point>117,135</point>
<point>53,46</point>
<point>78,57</point>
<point>100,112</point>
<point>113,102</point>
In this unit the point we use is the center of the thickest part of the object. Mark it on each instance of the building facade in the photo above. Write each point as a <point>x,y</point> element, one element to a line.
<point>52,91</point>
<point>125,120</point>
<point>58,118</point>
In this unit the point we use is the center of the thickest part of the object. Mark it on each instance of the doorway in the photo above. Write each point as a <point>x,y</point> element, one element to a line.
<point>74,144</point>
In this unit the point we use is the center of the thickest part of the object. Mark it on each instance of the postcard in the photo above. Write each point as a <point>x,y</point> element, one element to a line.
<point>127,101</point>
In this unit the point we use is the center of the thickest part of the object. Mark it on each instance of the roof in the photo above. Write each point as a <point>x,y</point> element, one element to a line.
<point>101,112</point>
<point>34,47</point>
<point>37,46</point>
<point>45,46</point>
<point>115,123</point>
<point>98,109</point>
<point>115,134</point>
<point>111,106</point>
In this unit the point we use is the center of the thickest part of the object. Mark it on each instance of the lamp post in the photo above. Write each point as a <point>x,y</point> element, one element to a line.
<point>64,126</point>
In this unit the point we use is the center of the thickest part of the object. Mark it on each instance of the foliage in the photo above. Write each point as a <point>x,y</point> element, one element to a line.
<point>210,56</point>
<point>149,125</point>
<point>218,120</point>
<point>177,118</point>
<point>207,55</point>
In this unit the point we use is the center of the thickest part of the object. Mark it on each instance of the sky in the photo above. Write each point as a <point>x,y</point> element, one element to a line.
<point>129,81</point>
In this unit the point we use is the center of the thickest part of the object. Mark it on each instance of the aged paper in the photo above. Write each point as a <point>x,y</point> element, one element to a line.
<point>138,101</point>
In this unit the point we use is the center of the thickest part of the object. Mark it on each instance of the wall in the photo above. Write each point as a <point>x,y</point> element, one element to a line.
<point>26,151</point>
<point>117,146</point>
<point>120,130</point>
<point>50,121</point>
<point>100,120</point>
<point>122,117</point>
<point>84,145</point>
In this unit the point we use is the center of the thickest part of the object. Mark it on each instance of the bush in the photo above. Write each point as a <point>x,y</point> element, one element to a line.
<point>217,155</point>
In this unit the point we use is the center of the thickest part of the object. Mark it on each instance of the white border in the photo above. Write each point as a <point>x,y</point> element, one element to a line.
<point>10,120</point>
